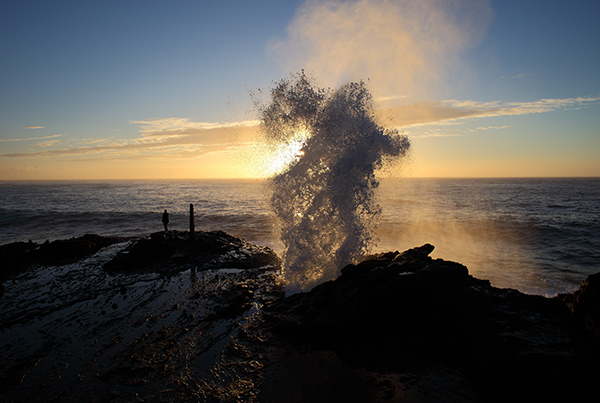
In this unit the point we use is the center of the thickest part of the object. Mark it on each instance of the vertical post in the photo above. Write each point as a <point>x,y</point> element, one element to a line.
<point>192,221</point>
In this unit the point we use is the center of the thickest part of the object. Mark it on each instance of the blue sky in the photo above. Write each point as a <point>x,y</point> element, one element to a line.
<point>156,89</point>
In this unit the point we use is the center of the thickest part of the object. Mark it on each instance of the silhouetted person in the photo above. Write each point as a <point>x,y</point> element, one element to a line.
<point>165,220</point>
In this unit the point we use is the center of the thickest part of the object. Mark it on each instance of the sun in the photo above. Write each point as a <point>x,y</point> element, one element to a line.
<point>284,155</point>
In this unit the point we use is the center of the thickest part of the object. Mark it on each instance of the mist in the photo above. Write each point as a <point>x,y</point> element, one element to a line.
<point>404,48</point>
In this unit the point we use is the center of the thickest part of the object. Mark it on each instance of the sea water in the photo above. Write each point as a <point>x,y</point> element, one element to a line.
<point>540,236</point>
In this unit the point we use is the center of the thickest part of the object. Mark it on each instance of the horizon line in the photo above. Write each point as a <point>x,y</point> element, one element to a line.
<point>267,178</point>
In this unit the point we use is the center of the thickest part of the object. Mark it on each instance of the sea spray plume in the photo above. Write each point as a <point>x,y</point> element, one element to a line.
<point>324,199</point>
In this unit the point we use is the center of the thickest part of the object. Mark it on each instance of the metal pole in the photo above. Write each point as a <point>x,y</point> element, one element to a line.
<point>191,220</point>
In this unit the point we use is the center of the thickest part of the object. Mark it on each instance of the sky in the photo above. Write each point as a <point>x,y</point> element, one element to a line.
<point>159,90</point>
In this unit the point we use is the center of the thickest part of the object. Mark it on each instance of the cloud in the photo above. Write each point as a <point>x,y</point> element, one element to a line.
<point>435,134</point>
<point>34,138</point>
<point>93,141</point>
<point>179,127</point>
<point>34,127</point>
<point>522,75</point>
<point>456,133</point>
<point>169,126</point>
<point>181,138</point>
<point>402,46</point>
<point>168,138</point>
<point>498,108</point>
<point>46,143</point>
<point>493,128</point>
<point>23,168</point>
<point>423,113</point>
<point>455,111</point>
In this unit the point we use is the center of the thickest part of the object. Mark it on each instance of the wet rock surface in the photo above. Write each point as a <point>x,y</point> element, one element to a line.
<point>408,313</point>
<point>168,318</point>
<point>78,332</point>
<point>177,251</point>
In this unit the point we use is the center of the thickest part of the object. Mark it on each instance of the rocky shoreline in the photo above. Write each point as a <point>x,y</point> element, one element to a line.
<point>395,327</point>
<point>161,251</point>
<point>19,256</point>
<point>406,312</point>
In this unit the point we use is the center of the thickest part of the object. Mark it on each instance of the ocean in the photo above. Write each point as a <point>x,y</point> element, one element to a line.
<point>540,236</point>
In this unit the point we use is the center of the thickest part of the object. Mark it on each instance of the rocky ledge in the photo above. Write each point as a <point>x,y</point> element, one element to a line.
<point>161,251</point>
<point>18,256</point>
<point>178,251</point>
<point>408,313</point>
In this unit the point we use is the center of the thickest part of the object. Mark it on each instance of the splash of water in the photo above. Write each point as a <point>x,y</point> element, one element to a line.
<point>324,198</point>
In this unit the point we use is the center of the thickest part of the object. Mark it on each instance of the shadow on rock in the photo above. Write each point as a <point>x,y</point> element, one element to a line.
<point>585,304</point>
<point>18,256</point>
<point>406,312</point>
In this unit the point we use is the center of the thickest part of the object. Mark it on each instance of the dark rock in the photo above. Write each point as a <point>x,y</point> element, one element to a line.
<point>176,251</point>
<point>585,304</point>
<point>15,257</point>
<point>18,256</point>
<point>68,250</point>
<point>15,374</point>
<point>408,312</point>
<point>233,302</point>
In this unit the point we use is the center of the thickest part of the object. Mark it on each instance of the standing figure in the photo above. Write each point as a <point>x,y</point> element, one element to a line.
<point>165,220</point>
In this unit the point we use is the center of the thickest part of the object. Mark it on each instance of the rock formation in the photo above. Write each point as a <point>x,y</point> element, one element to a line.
<point>585,304</point>
<point>177,251</point>
<point>394,327</point>
<point>409,313</point>
<point>17,256</point>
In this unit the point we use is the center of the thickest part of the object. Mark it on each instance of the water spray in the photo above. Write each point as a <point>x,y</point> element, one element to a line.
<point>324,197</point>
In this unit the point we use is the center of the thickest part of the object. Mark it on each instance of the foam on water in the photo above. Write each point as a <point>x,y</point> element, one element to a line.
<point>324,199</point>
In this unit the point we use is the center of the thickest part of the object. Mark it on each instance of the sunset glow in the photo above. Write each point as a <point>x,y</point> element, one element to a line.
<point>481,88</point>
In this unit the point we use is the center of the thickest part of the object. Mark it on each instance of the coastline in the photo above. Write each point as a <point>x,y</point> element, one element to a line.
<point>395,327</point>
<point>495,227</point>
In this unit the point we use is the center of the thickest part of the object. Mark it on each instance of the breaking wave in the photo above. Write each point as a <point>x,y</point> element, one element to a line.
<point>324,197</point>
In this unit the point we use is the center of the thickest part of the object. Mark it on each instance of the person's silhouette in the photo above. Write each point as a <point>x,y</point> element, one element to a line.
<point>165,220</point>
